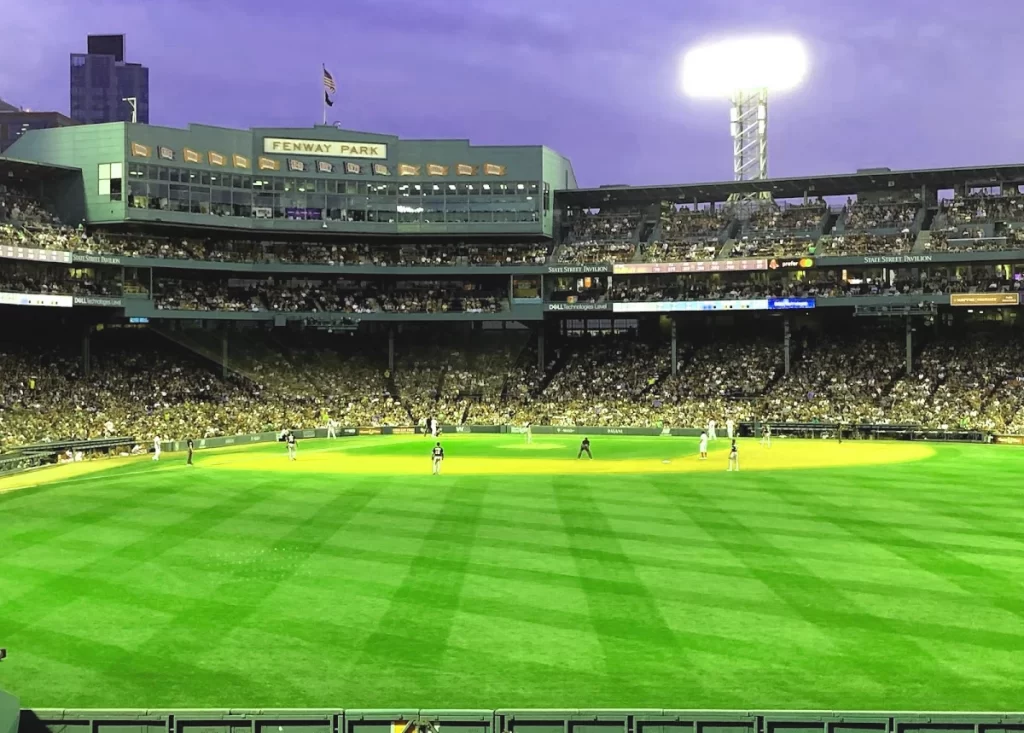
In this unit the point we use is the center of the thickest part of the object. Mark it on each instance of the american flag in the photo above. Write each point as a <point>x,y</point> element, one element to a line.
<point>329,82</point>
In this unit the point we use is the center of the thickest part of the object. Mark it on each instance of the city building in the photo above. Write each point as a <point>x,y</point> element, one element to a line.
<point>101,81</point>
<point>15,122</point>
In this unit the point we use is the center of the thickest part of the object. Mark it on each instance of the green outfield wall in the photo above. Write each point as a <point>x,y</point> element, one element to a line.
<point>401,720</point>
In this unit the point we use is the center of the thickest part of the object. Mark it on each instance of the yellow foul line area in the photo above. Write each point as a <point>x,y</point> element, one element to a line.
<point>552,456</point>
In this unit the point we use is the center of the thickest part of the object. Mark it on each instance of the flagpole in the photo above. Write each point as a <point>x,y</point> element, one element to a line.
<point>323,68</point>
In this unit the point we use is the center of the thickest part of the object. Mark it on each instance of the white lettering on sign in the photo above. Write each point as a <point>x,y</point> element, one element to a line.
<point>327,148</point>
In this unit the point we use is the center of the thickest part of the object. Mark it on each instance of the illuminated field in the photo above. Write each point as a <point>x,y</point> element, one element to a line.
<point>861,575</point>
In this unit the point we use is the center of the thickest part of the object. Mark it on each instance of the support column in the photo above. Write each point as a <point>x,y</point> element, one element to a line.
<point>540,348</point>
<point>786,340</point>
<point>86,353</point>
<point>910,345</point>
<point>224,354</point>
<point>391,350</point>
<point>675,350</point>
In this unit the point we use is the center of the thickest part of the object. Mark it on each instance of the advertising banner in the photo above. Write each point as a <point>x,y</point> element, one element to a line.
<point>668,268</point>
<point>984,299</point>
<point>791,263</point>
<point>692,306</point>
<point>36,299</point>
<point>557,307</point>
<point>98,301</point>
<point>789,304</point>
<point>300,214</point>
<point>12,252</point>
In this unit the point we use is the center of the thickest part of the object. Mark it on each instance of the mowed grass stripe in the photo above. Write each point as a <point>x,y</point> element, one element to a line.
<point>623,612</point>
<point>428,598</point>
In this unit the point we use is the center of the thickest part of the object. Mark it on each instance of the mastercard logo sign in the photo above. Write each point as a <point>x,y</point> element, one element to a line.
<point>802,263</point>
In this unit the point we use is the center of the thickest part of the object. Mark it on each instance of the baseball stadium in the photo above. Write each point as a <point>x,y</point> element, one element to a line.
<point>331,431</point>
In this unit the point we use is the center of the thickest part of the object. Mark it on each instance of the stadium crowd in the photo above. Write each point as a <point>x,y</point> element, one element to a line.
<point>141,389</point>
<point>324,296</point>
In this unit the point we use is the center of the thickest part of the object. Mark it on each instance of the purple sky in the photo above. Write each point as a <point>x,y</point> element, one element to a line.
<point>902,83</point>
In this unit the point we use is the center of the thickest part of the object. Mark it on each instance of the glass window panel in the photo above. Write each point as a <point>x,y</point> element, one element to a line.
<point>116,170</point>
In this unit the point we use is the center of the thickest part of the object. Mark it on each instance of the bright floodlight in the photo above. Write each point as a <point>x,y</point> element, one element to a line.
<point>775,63</point>
<point>745,70</point>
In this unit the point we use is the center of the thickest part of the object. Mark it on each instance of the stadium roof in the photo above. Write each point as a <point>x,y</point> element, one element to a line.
<point>875,179</point>
<point>27,170</point>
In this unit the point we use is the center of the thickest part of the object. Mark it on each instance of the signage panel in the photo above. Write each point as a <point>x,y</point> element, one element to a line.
<point>324,148</point>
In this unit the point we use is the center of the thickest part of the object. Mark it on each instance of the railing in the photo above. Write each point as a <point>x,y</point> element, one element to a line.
<point>412,720</point>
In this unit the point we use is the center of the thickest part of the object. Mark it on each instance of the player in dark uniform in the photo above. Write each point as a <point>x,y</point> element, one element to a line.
<point>436,457</point>
<point>585,448</point>
<point>734,458</point>
<point>190,449</point>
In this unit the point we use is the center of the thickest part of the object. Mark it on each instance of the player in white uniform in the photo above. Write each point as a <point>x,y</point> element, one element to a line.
<point>730,426</point>
<point>734,458</point>
<point>292,447</point>
<point>156,448</point>
<point>712,435</point>
<point>436,457</point>
<point>332,428</point>
<point>529,433</point>
<point>703,446</point>
<point>766,436</point>
<point>433,427</point>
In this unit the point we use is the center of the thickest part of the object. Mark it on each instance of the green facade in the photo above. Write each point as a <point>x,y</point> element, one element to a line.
<point>294,180</point>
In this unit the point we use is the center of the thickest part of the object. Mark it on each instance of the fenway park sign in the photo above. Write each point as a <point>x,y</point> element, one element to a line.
<point>324,148</point>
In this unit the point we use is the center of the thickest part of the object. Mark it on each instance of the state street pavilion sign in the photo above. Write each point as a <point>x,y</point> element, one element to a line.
<point>324,148</point>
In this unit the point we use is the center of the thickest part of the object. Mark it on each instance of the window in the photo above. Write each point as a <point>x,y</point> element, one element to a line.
<point>108,176</point>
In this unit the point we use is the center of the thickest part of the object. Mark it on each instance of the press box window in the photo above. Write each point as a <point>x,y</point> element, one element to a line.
<point>110,180</point>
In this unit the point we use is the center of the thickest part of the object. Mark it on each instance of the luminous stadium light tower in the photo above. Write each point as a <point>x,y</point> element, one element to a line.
<point>745,69</point>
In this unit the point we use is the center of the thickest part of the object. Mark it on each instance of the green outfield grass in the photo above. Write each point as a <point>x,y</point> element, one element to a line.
<point>252,581</point>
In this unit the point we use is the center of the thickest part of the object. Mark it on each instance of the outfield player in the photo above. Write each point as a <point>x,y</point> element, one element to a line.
<point>292,447</point>
<point>529,433</point>
<point>734,458</point>
<point>712,435</point>
<point>766,435</point>
<point>433,427</point>
<point>436,457</point>
<point>585,448</point>
<point>703,446</point>
<point>332,428</point>
<point>156,447</point>
<point>190,449</point>
<point>730,428</point>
